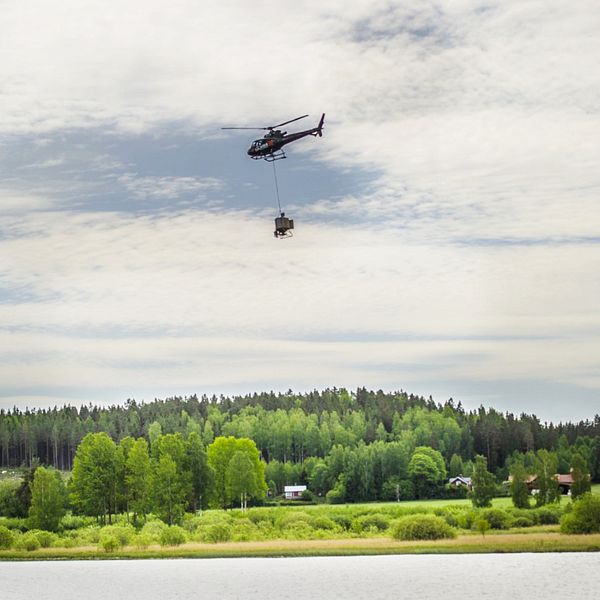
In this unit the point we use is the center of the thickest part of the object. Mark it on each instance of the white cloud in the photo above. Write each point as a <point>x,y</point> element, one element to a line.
<point>198,299</point>
<point>145,187</point>
<point>479,124</point>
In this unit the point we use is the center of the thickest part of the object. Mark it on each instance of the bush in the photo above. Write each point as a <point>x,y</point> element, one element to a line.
<point>375,521</point>
<point>584,517</point>
<point>342,521</point>
<point>15,524</point>
<point>522,522</point>
<point>496,517</point>
<point>173,536</point>
<point>307,496</point>
<point>28,542</point>
<point>45,538</point>
<point>123,533</point>
<point>142,540</point>
<point>292,518</point>
<point>421,527</point>
<point>335,496</point>
<point>153,529</point>
<point>547,515</point>
<point>482,525</point>
<point>244,530</point>
<point>215,534</point>
<point>75,522</point>
<point>87,535</point>
<point>109,542</point>
<point>325,523</point>
<point>7,538</point>
<point>466,518</point>
<point>259,515</point>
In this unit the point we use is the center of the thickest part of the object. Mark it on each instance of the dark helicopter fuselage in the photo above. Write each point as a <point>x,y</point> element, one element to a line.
<point>276,139</point>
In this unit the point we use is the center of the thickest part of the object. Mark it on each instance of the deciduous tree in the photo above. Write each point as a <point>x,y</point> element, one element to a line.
<point>48,499</point>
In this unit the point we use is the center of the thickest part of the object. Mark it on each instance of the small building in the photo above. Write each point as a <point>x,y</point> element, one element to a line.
<point>460,481</point>
<point>565,481</point>
<point>293,492</point>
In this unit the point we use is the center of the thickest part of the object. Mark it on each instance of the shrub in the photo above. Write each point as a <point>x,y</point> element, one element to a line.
<point>466,518</point>
<point>75,522</point>
<point>7,538</point>
<point>153,529</point>
<point>300,530</point>
<point>421,527</point>
<point>142,540</point>
<point>66,542</point>
<point>375,521</point>
<point>497,518</point>
<point>335,496</point>
<point>45,538</point>
<point>522,522</point>
<point>28,542</point>
<point>15,524</point>
<point>547,515</point>
<point>482,525</point>
<point>109,542</point>
<point>88,535</point>
<point>342,521</point>
<point>307,496</point>
<point>123,533</point>
<point>191,522</point>
<point>259,515</point>
<point>244,530</point>
<point>325,523</point>
<point>584,517</point>
<point>215,534</point>
<point>292,518</point>
<point>172,536</point>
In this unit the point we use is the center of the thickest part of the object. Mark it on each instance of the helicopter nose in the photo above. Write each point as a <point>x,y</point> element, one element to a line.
<point>249,152</point>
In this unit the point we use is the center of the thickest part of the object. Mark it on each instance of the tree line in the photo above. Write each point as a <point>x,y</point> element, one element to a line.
<point>168,477</point>
<point>294,433</point>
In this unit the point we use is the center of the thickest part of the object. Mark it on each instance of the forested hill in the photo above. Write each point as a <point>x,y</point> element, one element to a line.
<point>290,427</point>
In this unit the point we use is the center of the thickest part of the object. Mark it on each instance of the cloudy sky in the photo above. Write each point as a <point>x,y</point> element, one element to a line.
<point>447,235</point>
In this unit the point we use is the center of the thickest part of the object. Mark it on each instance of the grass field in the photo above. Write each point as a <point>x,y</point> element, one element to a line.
<point>313,530</point>
<point>540,541</point>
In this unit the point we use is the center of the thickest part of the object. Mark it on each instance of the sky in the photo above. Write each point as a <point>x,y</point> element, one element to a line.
<point>447,224</point>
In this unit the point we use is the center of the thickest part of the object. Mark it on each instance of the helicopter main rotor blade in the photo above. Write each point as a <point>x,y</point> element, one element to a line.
<point>245,127</point>
<point>286,122</point>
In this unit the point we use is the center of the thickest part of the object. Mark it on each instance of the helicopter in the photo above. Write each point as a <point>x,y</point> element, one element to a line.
<point>269,147</point>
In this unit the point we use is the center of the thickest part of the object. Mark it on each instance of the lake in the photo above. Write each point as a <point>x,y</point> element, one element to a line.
<point>573,576</point>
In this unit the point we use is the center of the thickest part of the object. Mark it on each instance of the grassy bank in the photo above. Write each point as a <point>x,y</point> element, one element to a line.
<point>549,541</point>
<point>306,530</point>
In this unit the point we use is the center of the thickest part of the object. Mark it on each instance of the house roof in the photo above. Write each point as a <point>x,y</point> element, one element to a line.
<point>564,478</point>
<point>465,480</point>
<point>294,488</point>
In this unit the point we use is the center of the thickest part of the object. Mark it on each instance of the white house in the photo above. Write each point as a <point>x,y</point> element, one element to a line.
<point>293,492</point>
<point>459,481</point>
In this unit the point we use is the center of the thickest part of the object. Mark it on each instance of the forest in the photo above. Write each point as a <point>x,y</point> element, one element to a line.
<point>368,436</point>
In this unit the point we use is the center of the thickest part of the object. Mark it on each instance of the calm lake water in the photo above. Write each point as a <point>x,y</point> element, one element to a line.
<point>494,576</point>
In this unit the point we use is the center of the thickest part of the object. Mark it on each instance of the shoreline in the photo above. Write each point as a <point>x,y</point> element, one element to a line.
<point>462,544</point>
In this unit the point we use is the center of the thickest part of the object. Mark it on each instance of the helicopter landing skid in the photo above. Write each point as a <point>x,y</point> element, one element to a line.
<point>275,156</point>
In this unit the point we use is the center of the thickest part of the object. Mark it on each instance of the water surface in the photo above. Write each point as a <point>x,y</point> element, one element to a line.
<point>573,576</point>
